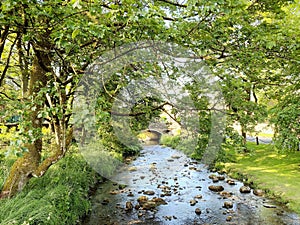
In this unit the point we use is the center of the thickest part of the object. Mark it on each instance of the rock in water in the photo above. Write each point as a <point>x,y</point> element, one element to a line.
<point>258,192</point>
<point>225,194</point>
<point>228,205</point>
<point>128,206</point>
<point>230,182</point>
<point>149,192</point>
<point>229,218</point>
<point>159,201</point>
<point>149,205</point>
<point>269,206</point>
<point>216,188</point>
<point>245,189</point>
<point>198,211</point>
<point>193,202</point>
<point>221,177</point>
<point>142,199</point>
<point>198,196</point>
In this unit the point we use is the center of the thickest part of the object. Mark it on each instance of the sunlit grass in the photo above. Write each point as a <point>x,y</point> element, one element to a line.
<point>270,170</point>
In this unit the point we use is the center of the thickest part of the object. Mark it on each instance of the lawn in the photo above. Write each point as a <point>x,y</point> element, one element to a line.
<point>276,172</point>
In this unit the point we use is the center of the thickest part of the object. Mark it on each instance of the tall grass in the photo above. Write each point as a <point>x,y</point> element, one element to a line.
<point>59,197</point>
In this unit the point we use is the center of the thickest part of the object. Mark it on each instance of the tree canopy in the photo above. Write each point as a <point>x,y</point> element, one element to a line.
<point>46,47</point>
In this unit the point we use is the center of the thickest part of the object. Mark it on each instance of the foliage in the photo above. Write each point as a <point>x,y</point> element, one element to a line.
<point>60,197</point>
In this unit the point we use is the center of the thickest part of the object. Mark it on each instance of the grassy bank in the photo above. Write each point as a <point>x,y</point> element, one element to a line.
<point>275,172</point>
<point>59,197</point>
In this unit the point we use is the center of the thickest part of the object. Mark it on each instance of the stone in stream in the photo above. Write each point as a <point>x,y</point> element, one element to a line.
<point>245,189</point>
<point>231,182</point>
<point>198,196</point>
<point>229,218</point>
<point>128,206</point>
<point>149,192</point>
<point>114,192</point>
<point>269,206</point>
<point>216,188</point>
<point>225,194</point>
<point>149,205</point>
<point>221,177</point>
<point>198,211</point>
<point>212,176</point>
<point>193,202</point>
<point>130,194</point>
<point>228,205</point>
<point>168,217</point>
<point>142,199</point>
<point>215,180</point>
<point>132,169</point>
<point>258,192</point>
<point>159,201</point>
<point>175,156</point>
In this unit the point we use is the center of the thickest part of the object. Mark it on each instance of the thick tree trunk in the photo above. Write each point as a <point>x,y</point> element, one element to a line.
<point>24,168</point>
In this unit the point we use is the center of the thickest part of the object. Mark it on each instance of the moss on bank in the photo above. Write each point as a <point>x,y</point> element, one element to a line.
<point>59,197</point>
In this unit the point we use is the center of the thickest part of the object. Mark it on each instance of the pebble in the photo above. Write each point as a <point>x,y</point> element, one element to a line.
<point>132,169</point>
<point>149,192</point>
<point>269,206</point>
<point>198,196</point>
<point>228,205</point>
<point>128,206</point>
<point>229,218</point>
<point>193,202</point>
<point>231,182</point>
<point>198,211</point>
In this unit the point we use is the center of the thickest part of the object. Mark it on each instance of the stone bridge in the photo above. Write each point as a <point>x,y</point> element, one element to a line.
<point>153,135</point>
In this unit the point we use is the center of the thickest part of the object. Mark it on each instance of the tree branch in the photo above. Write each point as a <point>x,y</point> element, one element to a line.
<point>173,3</point>
<point>137,113</point>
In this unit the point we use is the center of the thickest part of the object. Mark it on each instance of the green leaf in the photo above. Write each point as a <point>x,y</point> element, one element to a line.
<point>270,44</point>
<point>75,33</point>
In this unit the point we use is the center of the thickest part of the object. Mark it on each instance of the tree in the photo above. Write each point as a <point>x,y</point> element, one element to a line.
<point>55,41</point>
<point>46,46</point>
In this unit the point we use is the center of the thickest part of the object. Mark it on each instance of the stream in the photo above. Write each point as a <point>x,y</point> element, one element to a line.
<point>163,186</point>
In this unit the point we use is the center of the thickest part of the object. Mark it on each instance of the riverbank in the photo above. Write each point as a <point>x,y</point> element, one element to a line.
<point>263,167</point>
<point>59,197</point>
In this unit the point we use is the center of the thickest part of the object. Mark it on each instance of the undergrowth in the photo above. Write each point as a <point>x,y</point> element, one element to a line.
<point>59,197</point>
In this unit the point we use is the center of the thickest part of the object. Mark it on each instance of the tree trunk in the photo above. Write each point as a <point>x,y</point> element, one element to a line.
<point>244,135</point>
<point>24,167</point>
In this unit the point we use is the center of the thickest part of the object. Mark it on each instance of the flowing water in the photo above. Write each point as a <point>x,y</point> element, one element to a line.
<point>167,176</point>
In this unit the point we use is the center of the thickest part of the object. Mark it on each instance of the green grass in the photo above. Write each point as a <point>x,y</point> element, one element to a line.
<point>276,172</point>
<point>59,197</point>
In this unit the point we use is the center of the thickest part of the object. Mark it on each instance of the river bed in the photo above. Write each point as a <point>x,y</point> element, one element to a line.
<point>163,186</point>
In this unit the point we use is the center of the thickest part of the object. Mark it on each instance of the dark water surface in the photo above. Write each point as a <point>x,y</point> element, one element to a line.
<point>177,180</point>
